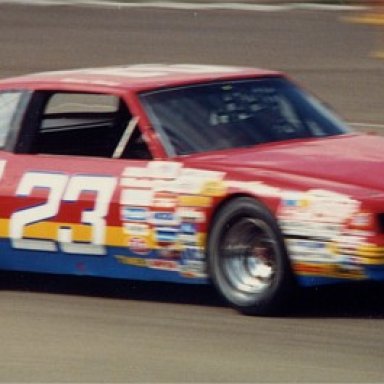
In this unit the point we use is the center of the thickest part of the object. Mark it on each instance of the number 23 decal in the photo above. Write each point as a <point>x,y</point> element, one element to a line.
<point>67,189</point>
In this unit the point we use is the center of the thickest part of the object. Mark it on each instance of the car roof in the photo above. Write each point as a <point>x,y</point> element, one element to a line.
<point>136,77</point>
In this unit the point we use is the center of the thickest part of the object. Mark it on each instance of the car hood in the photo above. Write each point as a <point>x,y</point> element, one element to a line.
<point>337,162</point>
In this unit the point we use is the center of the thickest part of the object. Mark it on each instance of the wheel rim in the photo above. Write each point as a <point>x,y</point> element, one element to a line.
<point>248,254</point>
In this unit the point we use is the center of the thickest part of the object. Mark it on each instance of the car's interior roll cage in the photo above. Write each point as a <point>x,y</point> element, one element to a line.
<point>80,133</point>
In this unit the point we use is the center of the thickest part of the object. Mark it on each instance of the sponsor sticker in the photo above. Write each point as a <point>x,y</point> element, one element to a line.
<point>165,265</point>
<point>137,197</point>
<point>188,228</point>
<point>310,251</point>
<point>135,261</point>
<point>193,253</point>
<point>164,218</point>
<point>213,188</point>
<point>164,200</point>
<point>166,234</point>
<point>194,201</point>
<point>317,206</point>
<point>330,270</point>
<point>134,214</point>
<point>193,269</point>
<point>191,215</point>
<point>188,233</point>
<point>139,245</point>
<point>136,229</point>
<point>170,251</point>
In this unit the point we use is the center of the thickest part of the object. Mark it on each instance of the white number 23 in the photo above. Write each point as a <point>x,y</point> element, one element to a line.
<point>61,187</point>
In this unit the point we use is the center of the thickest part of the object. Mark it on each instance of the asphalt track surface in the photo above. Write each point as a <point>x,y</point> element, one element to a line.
<point>57,329</point>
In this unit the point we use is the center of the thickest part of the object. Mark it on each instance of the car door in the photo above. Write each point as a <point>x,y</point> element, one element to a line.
<point>63,185</point>
<point>81,194</point>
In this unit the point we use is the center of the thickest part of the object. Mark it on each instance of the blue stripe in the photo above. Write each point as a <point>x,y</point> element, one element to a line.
<point>102,266</point>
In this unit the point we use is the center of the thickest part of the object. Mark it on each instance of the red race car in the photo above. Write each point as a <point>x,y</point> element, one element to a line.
<point>188,174</point>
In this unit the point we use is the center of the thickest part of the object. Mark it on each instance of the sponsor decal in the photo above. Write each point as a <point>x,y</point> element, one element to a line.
<point>188,228</point>
<point>164,200</point>
<point>315,213</point>
<point>164,218</point>
<point>165,265</point>
<point>348,260</point>
<point>193,269</point>
<point>171,251</point>
<point>134,214</point>
<point>136,229</point>
<point>188,233</point>
<point>186,184</point>
<point>310,229</point>
<point>330,270</point>
<point>160,183</point>
<point>135,261</point>
<point>310,251</point>
<point>193,253</point>
<point>166,234</point>
<point>194,201</point>
<point>213,188</point>
<point>191,215</point>
<point>137,197</point>
<point>318,206</point>
<point>139,245</point>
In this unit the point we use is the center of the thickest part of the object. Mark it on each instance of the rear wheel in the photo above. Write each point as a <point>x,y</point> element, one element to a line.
<point>247,258</point>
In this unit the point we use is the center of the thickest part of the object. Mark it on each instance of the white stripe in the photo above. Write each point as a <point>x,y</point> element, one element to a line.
<point>193,6</point>
<point>367,125</point>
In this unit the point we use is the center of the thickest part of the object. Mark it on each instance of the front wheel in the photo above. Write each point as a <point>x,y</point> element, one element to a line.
<point>247,259</point>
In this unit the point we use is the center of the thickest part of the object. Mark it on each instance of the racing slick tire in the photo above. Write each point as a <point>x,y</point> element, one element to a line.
<point>247,259</point>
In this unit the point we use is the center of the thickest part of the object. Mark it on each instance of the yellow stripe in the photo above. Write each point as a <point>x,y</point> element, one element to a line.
<point>327,270</point>
<point>4,227</point>
<point>378,54</point>
<point>194,201</point>
<point>115,236</point>
<point>370,250</point>
<point>368,18</point>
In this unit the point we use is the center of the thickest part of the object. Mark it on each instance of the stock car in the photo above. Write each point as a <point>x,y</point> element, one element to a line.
<point>192,174</point>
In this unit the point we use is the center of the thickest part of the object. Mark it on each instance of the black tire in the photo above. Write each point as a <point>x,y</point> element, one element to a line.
<point>247,260</point>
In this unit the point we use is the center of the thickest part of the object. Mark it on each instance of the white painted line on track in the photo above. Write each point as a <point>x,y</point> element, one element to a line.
<point>192,6</point>
<point>367,125</point>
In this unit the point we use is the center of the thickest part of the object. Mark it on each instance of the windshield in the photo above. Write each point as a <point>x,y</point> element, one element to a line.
<point>235,114</point>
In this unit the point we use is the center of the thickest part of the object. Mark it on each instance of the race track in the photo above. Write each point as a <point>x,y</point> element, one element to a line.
<point>56,329</point>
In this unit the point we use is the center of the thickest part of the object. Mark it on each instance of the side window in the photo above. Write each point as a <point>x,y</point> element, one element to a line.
<point>9,102</point>
<point>83,124</point>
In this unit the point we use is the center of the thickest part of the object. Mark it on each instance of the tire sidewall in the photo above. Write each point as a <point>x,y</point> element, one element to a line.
<point>270,300</point>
